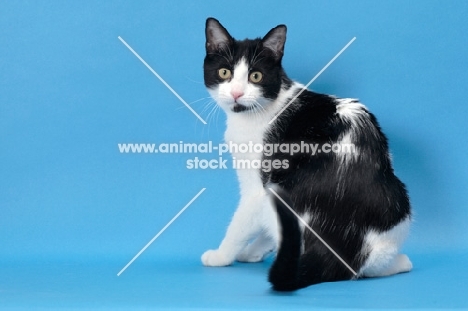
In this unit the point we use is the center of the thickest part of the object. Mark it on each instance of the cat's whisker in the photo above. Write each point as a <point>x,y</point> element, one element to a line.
<point>259,105</point>
<point>213,111</point>
<point>255,55</point>
<point>209,106</point>
<point>257,108</point>
<point>257,59</point>
<point>221,55</point>
<point>227,50</point>
<point>199,100</point>
<point>230,53</point>
<point>193,102</point>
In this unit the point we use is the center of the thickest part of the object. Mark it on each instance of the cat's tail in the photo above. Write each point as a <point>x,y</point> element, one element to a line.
<point>284,272</point>
<point>293,269</point>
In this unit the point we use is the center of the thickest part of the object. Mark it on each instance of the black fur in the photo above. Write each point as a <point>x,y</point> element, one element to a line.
<point>259,58</point>
<point>284,271</point>
<point>346,201</point>
<point>346,198</point>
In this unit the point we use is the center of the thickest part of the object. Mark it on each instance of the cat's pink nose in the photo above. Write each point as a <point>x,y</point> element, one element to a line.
<point>237,94</point>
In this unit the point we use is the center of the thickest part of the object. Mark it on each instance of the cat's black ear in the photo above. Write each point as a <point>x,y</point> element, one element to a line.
<point>275,39</point>
<point>217,37</point>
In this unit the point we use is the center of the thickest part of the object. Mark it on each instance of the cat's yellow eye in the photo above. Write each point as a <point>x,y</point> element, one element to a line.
<point>224,73</point>
<point>256,77</point>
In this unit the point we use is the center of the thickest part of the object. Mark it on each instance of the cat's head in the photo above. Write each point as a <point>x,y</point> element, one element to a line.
<point>244,75</point>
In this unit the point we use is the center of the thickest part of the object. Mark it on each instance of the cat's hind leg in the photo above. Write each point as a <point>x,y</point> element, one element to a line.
<point>398,264</point>
<point>383,258</point>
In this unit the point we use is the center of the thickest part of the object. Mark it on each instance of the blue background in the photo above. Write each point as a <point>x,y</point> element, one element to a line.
<point>74,211</point>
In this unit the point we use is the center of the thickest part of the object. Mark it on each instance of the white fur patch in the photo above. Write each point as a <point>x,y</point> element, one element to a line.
<point>382,249</point>
<point>348,150</point>
<point>351,110</point>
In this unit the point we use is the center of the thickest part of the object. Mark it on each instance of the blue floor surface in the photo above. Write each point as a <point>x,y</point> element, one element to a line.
<point>437,281</point>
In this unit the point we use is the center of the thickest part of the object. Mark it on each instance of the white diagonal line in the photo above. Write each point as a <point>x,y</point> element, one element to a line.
<point>161,231</point>
<point>162,80</point>
<point>315,233</point>
<point>313,79</point>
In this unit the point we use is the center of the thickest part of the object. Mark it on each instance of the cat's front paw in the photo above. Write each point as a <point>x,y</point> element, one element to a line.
<point>215,258</point>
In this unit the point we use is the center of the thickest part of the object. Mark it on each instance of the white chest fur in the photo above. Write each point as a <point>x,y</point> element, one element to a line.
<point>254,218</point>
<point>244,132</point>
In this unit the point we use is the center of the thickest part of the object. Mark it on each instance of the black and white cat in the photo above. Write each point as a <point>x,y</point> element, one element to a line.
<point>353,201</point>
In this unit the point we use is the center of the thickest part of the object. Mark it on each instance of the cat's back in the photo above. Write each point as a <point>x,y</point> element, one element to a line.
<point>323,118</point>
<point>345,155</point>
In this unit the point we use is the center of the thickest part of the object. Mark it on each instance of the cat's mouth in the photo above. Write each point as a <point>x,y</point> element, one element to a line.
<point>240,108</point>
